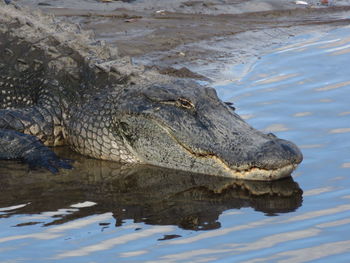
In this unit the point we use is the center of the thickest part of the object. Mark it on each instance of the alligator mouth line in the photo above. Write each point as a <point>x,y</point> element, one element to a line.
<point>249,173</point>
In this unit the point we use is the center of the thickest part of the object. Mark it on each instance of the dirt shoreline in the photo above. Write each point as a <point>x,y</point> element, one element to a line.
<point>197,38</point>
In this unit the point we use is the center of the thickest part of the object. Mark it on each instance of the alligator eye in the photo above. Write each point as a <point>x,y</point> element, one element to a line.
<point>230,105</point>
<point>180,102</point>
<point>185,103</point>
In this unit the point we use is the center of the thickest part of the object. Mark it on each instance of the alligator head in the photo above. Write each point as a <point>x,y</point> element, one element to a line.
<point>185,126</point>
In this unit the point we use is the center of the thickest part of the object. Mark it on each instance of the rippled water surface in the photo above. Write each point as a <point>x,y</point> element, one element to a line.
<point>103,212</point>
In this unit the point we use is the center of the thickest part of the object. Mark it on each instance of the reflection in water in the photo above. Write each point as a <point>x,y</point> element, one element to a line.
<point>345,165</point>
<point>340,130</point>
<point>273,79</point>
<point>302,114</point>
<point>143,193</point>
<point>334,86</point>
<point>276,128</point>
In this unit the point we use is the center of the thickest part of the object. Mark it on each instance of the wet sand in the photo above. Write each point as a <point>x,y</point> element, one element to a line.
<point>197,39</point>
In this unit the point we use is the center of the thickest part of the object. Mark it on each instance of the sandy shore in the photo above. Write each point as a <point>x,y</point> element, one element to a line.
<point>198,39</point>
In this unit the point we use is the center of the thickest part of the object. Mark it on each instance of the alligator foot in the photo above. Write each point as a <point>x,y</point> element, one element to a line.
<point>45,158</point>
<point>28,148</point>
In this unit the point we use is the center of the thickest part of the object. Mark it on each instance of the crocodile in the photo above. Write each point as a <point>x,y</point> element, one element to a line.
<point>60,86</point>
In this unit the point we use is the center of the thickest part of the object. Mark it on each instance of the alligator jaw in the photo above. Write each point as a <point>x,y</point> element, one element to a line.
<point>252,173</point>
<point>242,172</point>
<point>259,174</point>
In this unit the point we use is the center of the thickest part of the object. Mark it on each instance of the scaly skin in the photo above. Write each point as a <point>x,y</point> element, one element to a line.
<point>61,86</point>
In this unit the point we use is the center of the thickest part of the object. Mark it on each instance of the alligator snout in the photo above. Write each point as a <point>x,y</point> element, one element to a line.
<point>277,153</point>
<point>272,160</point>
<point>294,154</point>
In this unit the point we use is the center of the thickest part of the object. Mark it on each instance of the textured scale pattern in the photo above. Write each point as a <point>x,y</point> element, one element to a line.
<point>95,134</point>
<point>33,102</point>
<point>16,92</point>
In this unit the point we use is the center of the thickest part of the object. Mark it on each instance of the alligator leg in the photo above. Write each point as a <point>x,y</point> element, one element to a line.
<point>28,148</point>
<point>19,138</point>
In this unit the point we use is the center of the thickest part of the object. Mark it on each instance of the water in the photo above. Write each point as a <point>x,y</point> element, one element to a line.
<point>104,212</point>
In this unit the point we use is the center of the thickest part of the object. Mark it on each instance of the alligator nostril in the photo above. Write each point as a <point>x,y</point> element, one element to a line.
<point>292,152</point>
<point>271,135</point>
<point>287,148</point>
<point>277,153</point>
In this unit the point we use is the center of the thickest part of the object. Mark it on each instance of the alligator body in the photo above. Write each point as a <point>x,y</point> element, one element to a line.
<point>58,86</point>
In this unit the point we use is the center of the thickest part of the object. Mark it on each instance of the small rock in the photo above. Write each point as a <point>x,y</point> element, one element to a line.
<point>301,3</point>
<point>160,12</point>
<point>44,4</point>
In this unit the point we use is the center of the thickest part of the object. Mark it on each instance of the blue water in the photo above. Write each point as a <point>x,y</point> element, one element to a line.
<point>300,92</point>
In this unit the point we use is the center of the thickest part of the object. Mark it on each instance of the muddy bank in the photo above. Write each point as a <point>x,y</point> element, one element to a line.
<point>202,36</point>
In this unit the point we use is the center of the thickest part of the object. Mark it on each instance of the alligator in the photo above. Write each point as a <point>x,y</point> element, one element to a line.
<point>60,86</point>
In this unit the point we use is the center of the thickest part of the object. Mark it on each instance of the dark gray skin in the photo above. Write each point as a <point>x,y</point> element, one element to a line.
<point>196,131</point>
<point>69,89</point>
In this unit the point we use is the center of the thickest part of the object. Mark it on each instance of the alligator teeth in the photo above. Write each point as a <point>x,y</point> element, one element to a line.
<point>9,51</point>
<point>22,61</point>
